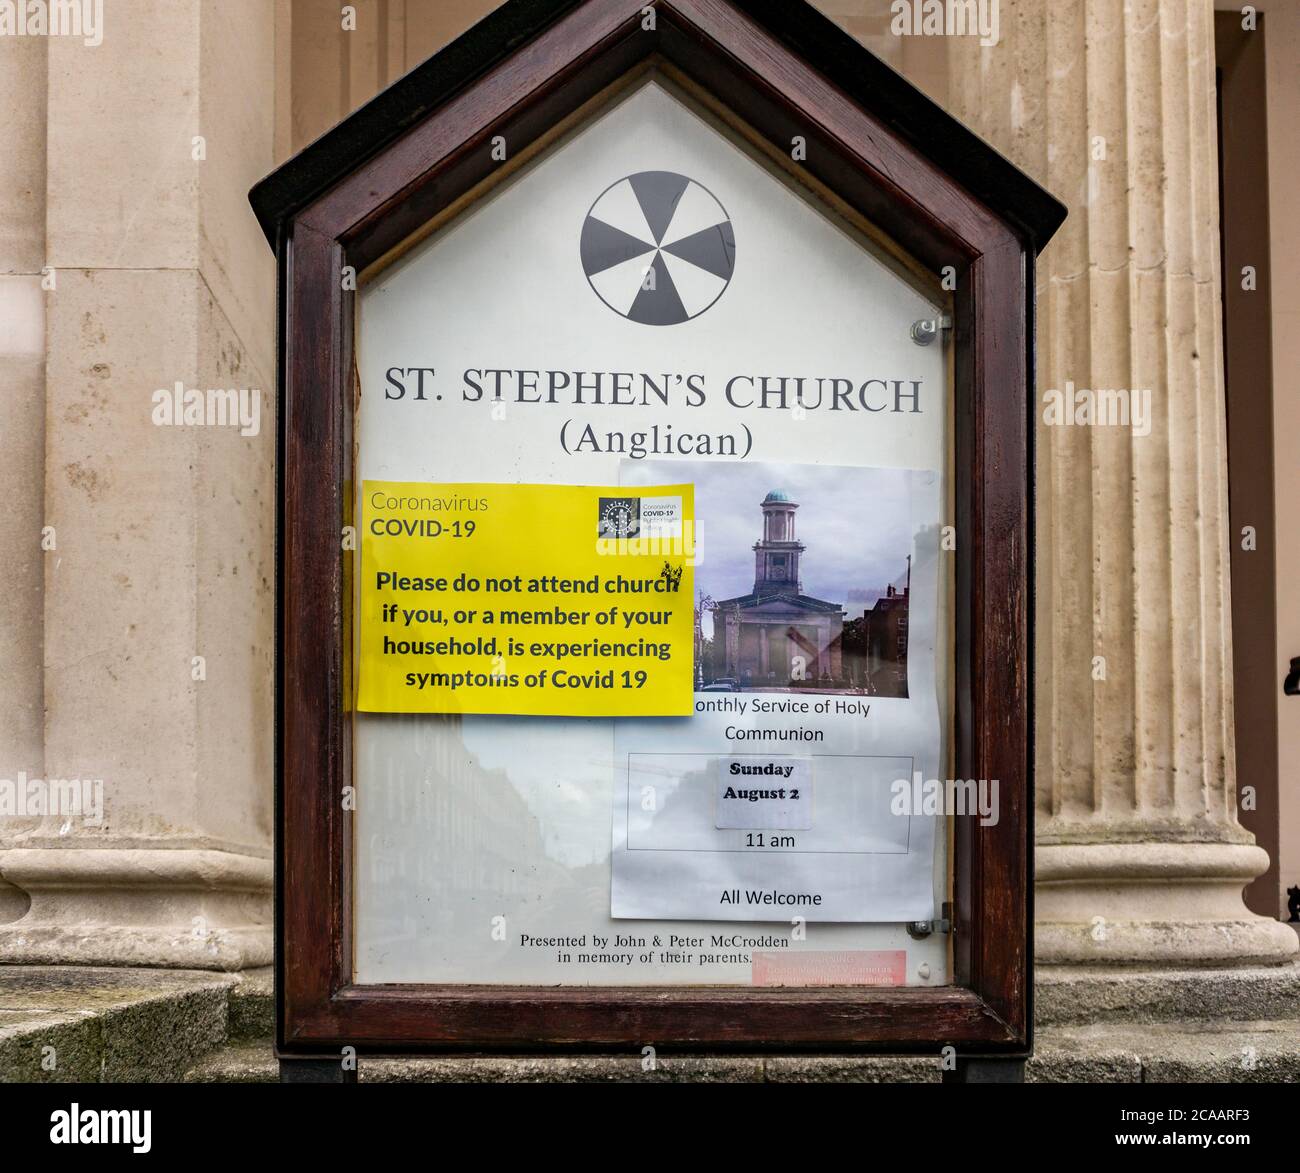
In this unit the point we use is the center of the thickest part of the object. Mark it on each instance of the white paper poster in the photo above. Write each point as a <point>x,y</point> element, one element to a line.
<point>788,792</point>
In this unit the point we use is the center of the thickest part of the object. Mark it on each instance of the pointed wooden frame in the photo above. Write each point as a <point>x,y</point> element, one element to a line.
<point>867,146</point>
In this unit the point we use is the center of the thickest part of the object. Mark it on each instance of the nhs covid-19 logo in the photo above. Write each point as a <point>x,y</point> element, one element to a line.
<point>658,248</point>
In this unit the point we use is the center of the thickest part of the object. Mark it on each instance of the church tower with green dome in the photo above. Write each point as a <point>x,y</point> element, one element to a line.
<point>776,556</point>
<point>777,636</point>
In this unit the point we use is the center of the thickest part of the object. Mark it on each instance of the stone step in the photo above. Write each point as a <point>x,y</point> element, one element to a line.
<point>251,1008</point>
<point>1266,1052</point>
<point>1078,995</point>
<point>91,1024</point>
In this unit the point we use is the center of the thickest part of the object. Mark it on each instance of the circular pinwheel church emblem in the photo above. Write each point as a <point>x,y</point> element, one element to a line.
<point>658,248</point>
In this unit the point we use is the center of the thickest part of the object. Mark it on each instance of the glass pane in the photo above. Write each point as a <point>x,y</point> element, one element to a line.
<point>649,303</point>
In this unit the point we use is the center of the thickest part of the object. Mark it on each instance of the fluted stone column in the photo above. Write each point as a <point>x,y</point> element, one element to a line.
<point>22,420</point>
<point>139,574</point>
<point>1141,860</point>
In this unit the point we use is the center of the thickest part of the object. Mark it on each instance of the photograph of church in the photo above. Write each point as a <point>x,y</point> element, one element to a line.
<point>825,606</point>
<point>776,635</point>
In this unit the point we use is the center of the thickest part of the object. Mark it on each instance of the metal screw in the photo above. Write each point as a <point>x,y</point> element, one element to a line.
<point>925,331</point>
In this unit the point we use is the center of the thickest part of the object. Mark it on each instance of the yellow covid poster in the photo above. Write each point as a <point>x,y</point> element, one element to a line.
<point>559,600</point>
